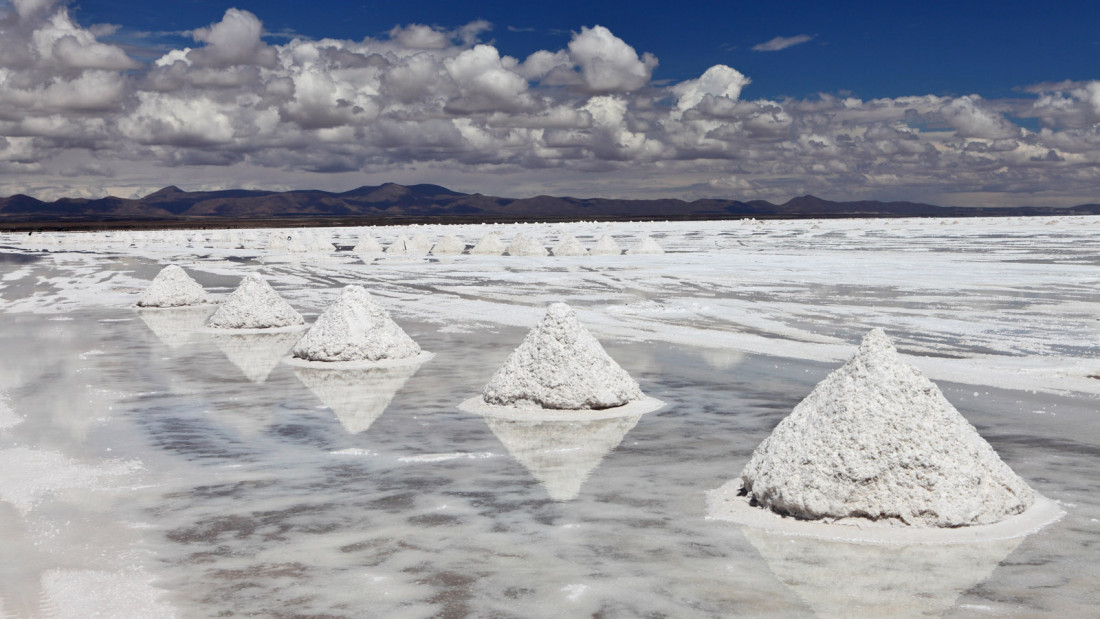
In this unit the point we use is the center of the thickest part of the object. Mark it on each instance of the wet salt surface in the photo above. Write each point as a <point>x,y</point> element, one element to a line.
<point>215,477</point>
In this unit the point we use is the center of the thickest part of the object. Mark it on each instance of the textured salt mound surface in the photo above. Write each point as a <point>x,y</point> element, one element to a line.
<point>489,245</point>
<point>355,328</point>
<point>877,440</point>
<point>570,246</point>
<point>448,245</point>
<point>420,244</point>
<point>367,245</point>
<point>560,365</point>
<point>254,305</point>
<point>606,246</point>
<point>523,245</point>
<point>646,246</point>
<point>173,287</point>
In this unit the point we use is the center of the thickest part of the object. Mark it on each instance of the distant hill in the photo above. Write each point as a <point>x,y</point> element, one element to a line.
<point>392,203</point>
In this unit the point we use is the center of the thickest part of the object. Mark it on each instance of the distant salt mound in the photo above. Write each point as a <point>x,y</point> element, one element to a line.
<point>355,328</point>
<point>877,440</point>
<point>448,246</point>
<point>255,305</point>
<point>646,246</point>
<point>296,245</point>
<point>606,246</point>
<point>560,365</point>
<point>569,246</point>
<point>523,245</point>
<point>420,244</point>
<point>402,246</point>
<point>367,245</point>
<point>173,287</point>
<point>489,245</point>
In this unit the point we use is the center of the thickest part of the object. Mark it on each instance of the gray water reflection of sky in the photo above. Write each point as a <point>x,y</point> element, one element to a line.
<point>254,497</point>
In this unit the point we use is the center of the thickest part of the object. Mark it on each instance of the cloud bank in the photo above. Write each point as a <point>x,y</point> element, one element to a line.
<point>78,115</point>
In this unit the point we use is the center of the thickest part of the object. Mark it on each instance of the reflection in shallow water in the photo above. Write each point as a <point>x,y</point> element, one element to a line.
<point>839,579</point>
<point>359,396</point>
<point>561,454</point>
<point>256,354</point>
<point>175,327</point>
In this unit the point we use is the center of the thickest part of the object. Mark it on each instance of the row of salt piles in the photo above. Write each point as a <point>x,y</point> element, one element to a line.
<point>492,245</point>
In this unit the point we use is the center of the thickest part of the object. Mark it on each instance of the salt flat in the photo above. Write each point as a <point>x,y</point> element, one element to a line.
<point>162,465</point>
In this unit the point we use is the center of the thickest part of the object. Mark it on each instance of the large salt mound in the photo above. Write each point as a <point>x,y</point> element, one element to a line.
<point>560,365</point>
<point>489,245</point>
<point>355,328</point>
<point>254,305</point>
<point>173,287</point>
<point>523,245</point>
<point>606,246</point>
<point>569,246</point>
<point>646,246</point>
<point>448,245</point>
<point>877,440</point>
<point>367,245</point>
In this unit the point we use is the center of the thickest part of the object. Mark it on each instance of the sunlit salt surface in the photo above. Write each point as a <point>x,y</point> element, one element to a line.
<point>149,467</point>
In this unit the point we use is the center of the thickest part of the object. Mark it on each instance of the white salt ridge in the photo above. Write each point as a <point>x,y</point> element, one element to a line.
<point>560,365</point>
<point>606,246</point>
<point>646,246</point>
<point>489,245</point>
<point>254,305</point>
<point>523,245</point>
<point>355,328</point>
<point>448,245</point>
<point>173,287</point>
<point>569,246</point>
<point>877,440</point>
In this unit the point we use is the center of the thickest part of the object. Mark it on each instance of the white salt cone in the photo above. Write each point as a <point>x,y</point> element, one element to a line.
<point>255,305</point>
<point>645,246</point>
<point>489,245</point>
<point>173,287</point>
<point>876,439</point>
<point>606,246</point>
<point>355,328</point>
<point>569,246</point>
<point>448,245</point>
<point>524,245</point>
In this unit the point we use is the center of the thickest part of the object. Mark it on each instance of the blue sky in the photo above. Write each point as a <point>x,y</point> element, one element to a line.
<point>954,103</point>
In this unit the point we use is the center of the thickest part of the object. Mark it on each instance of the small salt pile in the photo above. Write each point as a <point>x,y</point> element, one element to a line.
<point>173,287</point>
<point>646,246</point>
<point>401,246</point>
<point>420,244</point>
<point>606,246</point>
<point>296,245</point>
<point>448,245</point>
<point>877,440</point>
<point>367,245</point>
<point>569,246</point>
<point>489,245</point>
<point>560,365</point>
<point>523,245</point>
<point>255,305</point>
<point>355,328</point>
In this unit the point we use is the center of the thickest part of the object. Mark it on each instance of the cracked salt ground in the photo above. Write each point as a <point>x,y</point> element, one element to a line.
<point>256,498</point>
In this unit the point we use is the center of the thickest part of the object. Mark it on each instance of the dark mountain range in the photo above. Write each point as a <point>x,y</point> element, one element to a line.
<point>392,203</point>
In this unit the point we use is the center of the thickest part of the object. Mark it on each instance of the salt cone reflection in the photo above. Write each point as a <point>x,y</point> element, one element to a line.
<point>255,354</point>
<point>561,454</point>
<point>175,327</point>
<point>357,397</point>
<point>839,579</point>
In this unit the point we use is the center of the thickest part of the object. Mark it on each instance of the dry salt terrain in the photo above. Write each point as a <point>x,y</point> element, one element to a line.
<point>152,467</point>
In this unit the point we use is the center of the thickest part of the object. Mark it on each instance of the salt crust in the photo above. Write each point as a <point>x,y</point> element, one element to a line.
<point>478,406</point>
<point>523,245</point>
<point>569,246</point>
<point>448,245</point>
<point>730,503</point>
<point>876,440</point>
<point>606,246</point>
<point>355,328</point>
<point>560,365</point>
<point>646,246</point>
<point>173,287</point>
<point>255,305</point>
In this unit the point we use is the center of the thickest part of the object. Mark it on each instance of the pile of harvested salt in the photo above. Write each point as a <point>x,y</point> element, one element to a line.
<point>448,245</point>
<point>173,287</point>
<point>877,440</point>
<point>523,245</point>
<point>489,245</point>
<point>646,245</point>
<point>402,246</point>
<point>560,365</point>
<point>255,305</point>
<point>420,244</point>
<point>355,328</point>
<point>367,245</point>
<point>569,246</point>
<point>606,246</point>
